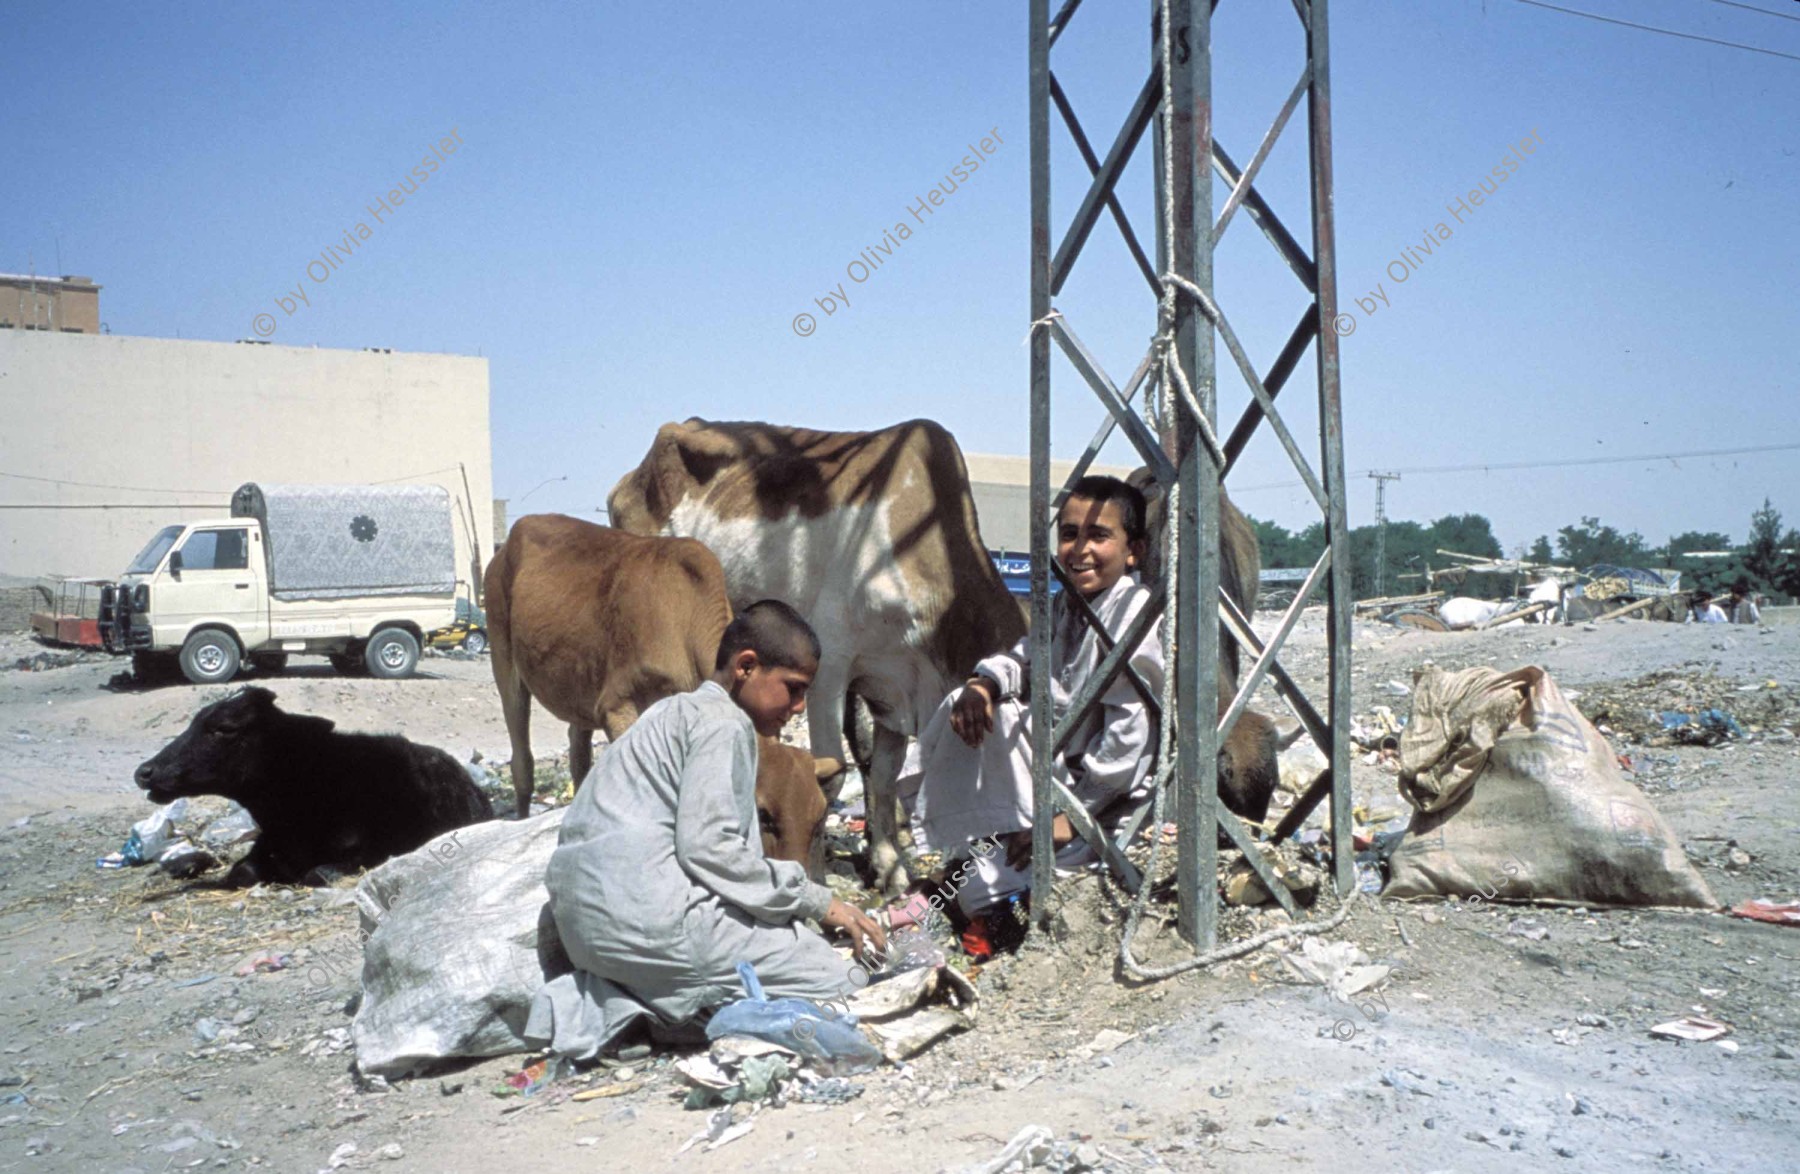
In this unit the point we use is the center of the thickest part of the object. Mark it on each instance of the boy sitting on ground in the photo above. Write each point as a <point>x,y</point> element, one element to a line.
<point>659,886</point>
<point>978,784</point>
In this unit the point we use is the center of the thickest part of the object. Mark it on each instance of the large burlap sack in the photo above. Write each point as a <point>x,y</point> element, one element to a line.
<point>1519,798</point>
<point>459,938</point>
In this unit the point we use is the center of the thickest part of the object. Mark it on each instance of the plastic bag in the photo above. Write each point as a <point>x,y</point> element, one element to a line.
<point>154,834</point>
<point>459,939</point>
<point>183,859</point>
<point>234,827</point>
<point>829,1041</point>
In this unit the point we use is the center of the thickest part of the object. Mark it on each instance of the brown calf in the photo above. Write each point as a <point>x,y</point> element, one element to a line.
<point>598,625</point>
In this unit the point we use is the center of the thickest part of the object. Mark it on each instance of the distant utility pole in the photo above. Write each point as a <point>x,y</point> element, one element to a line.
<point>1381,480</point>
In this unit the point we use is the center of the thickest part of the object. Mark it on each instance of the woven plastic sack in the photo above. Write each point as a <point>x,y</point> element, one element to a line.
<point>454,934</point>
<point>1528,810</point>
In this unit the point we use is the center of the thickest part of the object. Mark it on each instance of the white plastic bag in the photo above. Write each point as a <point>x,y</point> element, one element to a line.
<point>452,957</point>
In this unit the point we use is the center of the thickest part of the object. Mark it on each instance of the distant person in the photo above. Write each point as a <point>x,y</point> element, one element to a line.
<point>1702,610</point>
<point>1740,606</point>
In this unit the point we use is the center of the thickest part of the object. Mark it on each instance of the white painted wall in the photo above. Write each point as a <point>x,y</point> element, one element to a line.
<point>126,435</point>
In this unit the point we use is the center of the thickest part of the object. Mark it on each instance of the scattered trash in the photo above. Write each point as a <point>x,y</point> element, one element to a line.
<point>909,949</point>
<point>828,1090</point>
<point>234,827</point>
<point>1406,1080</point>
<point>1773,912</point>
<point>608,1091</point>
<point>183,859</point>
<point>1107,1040</point>
<point>1691,1027</point>
<point>1244,887</point>
<point>153,835</point>
<point>801,1025</point>
<point>1033,1145</point>
<point>532,1077</point>
<point>1708,727</point>
<point>719,1131</point>
<point>263,964</point>
<point>1532,930</point>
<point>1340,967</point>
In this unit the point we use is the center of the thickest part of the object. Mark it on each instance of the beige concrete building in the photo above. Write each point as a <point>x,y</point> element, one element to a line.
<point>1001,486</point>
<point>105,438</point>
<point>66,305</point>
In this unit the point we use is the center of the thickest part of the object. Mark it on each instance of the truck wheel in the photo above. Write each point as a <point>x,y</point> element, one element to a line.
<point>273,663</point>
<point>392,653</point>
<point>475,641</point>
<point>210,657</point>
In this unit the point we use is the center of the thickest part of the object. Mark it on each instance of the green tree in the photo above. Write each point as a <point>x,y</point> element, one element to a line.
<point>1282,548</point>
<point>1540,550</point>
<point>1714,574</point>
<point>1591,542</point>
<point>1763,556</point>
<point>1465,534</point>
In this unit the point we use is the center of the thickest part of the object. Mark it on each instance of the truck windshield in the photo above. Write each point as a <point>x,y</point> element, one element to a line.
<point>151,555</point>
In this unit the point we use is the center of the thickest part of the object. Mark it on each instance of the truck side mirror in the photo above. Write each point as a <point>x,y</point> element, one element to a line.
<point>175,564</point>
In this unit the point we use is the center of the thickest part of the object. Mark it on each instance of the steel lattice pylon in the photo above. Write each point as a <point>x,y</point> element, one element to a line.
<point>1187,457</point>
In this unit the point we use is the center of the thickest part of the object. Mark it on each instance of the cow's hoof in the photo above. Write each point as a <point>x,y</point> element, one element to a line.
<point>891,877</point>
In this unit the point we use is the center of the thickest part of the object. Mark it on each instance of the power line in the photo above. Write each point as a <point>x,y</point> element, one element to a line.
<point>209,489</point>
<point>92,485</point>
<point>1665,456</point>
<point>1499,466</point>
<point>1754,8</point>
<point>1665,32</point>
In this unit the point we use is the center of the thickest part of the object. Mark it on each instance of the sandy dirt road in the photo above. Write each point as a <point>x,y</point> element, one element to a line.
<point>1509,1037</point>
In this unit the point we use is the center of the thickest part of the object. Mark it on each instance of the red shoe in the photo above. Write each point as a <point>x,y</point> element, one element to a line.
<point>975,939</point>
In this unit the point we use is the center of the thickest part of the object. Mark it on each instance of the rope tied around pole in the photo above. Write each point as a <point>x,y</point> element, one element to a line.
<point>1046,320</point>
<point>1173,384</point>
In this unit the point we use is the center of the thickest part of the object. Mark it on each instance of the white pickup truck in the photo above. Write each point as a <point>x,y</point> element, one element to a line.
<point>361,574</point>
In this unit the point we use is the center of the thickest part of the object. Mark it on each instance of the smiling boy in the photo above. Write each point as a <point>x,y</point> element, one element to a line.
<point>659,886</point>
<point>978,783</point>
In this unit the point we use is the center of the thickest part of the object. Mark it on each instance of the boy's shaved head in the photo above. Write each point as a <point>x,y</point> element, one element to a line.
<point>779,635</point>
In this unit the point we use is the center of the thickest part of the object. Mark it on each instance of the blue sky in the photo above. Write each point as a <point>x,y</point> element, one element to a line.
<point>648,195</point>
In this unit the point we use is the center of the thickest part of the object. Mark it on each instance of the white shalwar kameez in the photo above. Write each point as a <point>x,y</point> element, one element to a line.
<point>956,794</point>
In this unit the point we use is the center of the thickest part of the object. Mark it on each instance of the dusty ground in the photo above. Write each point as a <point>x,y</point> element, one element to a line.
<point>1508,1036</point>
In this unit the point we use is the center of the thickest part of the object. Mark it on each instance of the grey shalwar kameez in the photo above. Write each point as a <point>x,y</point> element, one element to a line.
<point>659,886</point>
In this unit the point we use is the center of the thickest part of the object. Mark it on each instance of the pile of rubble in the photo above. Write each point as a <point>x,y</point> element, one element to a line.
<point>1650,711</point>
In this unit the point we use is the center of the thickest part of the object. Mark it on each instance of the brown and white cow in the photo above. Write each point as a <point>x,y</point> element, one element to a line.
<point>598,625</point>
<point>871,536</point>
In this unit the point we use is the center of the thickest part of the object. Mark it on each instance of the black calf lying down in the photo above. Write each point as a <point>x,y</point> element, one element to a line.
<point>322,798</point>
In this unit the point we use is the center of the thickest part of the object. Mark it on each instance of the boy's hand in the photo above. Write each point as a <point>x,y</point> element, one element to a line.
<point>862,929</point>
<point>973,715</point>
<point>1018,845</point>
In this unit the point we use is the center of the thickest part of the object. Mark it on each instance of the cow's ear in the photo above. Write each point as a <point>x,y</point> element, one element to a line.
<point>263,699</point>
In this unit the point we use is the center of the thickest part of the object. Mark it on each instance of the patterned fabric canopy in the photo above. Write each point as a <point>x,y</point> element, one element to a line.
<point>335,541</point>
